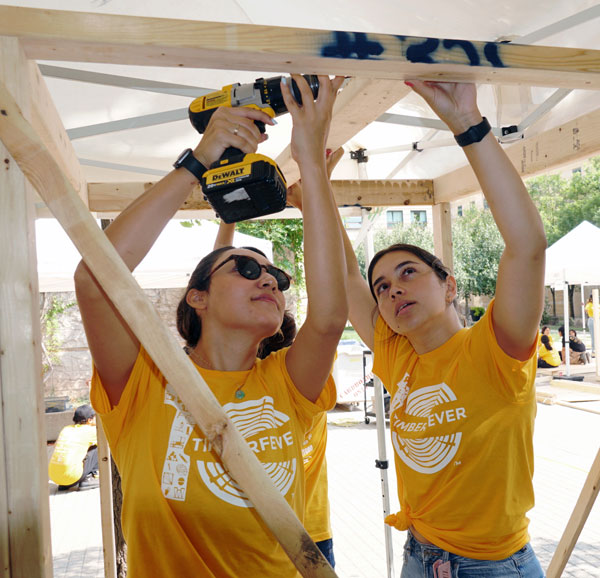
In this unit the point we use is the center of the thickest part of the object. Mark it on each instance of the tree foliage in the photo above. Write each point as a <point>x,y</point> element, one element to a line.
<point>415,234</point>
<point>478,246</point>
<point>565,203</point>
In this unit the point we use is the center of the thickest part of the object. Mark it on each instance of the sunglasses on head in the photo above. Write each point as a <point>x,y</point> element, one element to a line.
<point>250,268</point>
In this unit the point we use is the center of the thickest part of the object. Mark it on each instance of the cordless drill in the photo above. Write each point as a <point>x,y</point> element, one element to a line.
<point>242,186</point>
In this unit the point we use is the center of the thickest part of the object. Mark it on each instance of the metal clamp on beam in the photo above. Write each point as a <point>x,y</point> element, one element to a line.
<point>415,147</point>
<point>381,464</point>
<point>359,155</point>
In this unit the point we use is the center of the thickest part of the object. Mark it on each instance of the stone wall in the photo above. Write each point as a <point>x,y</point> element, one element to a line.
<point>72,373</point>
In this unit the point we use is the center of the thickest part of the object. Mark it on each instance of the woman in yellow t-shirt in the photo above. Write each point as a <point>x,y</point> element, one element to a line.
<point>183,514</point>
<point>462,399</point>
<point>547,356</point>
<point>589,311</point>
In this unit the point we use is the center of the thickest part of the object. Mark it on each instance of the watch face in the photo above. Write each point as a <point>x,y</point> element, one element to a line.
<point>182,157</point>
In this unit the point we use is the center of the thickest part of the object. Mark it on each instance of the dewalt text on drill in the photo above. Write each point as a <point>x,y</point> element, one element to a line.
<point>243,186</point>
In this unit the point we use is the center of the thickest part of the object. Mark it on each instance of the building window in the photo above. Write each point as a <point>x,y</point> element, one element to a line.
<point>418,217</point>
<point>394,218</point>
<point>485,204</point>
<point>576,171</point>
<point>353,222</point>
<point>472,205</point>
<point>459,210</point>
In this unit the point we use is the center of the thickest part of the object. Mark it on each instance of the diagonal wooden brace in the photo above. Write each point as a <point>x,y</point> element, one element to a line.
<point>39,167</point>
<point>580,513</point>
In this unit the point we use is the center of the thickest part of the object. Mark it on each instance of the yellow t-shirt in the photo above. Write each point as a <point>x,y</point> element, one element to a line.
<point>183,515</point>
<point>316,511</point>
<point>589,309</point>
<point>550,356</point>
<point>72,445</point>
<point>461,420</point>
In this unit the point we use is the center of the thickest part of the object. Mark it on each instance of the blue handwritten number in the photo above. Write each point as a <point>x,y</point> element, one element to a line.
<point>352,45</point>
<point>467,47</point>
<point>421,52</point>
<point>491,53</point>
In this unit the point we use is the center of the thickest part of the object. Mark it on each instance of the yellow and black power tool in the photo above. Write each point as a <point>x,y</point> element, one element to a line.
<point>239,186</point>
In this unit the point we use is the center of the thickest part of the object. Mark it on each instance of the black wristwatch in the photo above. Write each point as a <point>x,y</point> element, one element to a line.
<point>473,134</point>
<point>188,161</point>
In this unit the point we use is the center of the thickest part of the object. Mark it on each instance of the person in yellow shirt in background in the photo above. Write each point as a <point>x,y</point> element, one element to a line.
<point>462,399</point>
<point>589,311</point>
<point>548,355</point>
<point>74,461</point>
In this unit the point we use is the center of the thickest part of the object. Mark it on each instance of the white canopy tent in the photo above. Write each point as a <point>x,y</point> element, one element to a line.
<point>574,260</point>
<point>169,263</point>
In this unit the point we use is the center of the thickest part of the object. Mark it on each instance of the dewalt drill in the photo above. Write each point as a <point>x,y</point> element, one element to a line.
<point>239,186</point>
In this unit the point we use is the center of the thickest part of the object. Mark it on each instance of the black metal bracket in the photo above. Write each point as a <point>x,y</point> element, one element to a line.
<point>359,155</point>
<point>381,464</point>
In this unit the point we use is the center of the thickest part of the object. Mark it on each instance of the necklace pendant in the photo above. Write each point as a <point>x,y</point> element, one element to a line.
<point>239,394</point>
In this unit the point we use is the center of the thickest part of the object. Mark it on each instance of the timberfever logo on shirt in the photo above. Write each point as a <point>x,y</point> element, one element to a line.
<point>262,426</point>
<point>426,455</point>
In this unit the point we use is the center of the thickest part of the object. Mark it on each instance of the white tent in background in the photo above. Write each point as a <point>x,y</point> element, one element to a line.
<point>168,264</point>
<point>574,260</point>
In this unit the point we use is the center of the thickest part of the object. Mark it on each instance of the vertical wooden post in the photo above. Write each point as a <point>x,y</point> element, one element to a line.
<point>442,234</point>
<point>27,513</point>
<point>106,504</point>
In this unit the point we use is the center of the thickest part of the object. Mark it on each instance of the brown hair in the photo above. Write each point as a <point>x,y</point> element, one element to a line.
<point>189,325</point>
<point>431,260</point>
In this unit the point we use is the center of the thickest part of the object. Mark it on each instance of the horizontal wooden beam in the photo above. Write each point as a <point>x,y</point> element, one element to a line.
<point>573,141</point>
<point>114,197</point>
<point>118,39</point>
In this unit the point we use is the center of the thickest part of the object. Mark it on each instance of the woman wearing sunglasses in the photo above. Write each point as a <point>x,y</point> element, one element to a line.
<point>183,515</point>
<point>463,399</point>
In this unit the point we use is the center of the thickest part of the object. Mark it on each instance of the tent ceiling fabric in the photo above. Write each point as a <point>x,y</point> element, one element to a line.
<point>153,149</point>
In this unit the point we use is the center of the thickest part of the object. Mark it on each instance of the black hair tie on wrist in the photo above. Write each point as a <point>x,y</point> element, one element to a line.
<point>473,134</point>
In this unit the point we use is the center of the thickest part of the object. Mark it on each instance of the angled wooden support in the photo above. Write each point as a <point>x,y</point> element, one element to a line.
<point>41,169</point>
<point>570,142</point>
<point>361,102</point>
<point>114,197</point>
<point>58,35</point>
<point>582,509</point>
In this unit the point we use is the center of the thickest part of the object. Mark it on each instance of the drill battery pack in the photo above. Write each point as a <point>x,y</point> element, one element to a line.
<point>244,187</point>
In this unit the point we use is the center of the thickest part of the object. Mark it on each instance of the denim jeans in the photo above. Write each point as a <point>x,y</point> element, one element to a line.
<point>326,547</point>
<point>419,559</point>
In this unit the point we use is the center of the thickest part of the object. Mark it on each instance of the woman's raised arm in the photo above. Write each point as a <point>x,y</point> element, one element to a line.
<point>311,356</point>
<point>520,284</point>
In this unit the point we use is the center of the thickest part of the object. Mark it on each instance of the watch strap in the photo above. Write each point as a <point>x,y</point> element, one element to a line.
<point>188,161</point>
<point>473,134</point>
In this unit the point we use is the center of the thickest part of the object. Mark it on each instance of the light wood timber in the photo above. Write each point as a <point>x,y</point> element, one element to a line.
<point>442,234</point>
<point>106,503</point>
<point>25,549</point>
<point>575,140</point>
<point>43,172</point>
<point>114,197</point>
<point>576,522</point>
<point>360,102</point>
<point>58,35</point>
<point>47,123</point>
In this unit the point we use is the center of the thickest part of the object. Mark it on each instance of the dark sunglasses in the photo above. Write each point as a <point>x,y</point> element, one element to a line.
<point>250,268</point>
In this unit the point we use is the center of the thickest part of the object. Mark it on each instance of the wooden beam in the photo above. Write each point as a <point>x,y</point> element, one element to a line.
<point>58,35</point>
<point>25,548</point>
<point>114,197</point>
<point>111,272</point>
<point>442,234</point>
<point>573,141</point>
<point>580,514</point>
<point>362,101</point>
<point>47,123</point>
<point>106,504</point>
